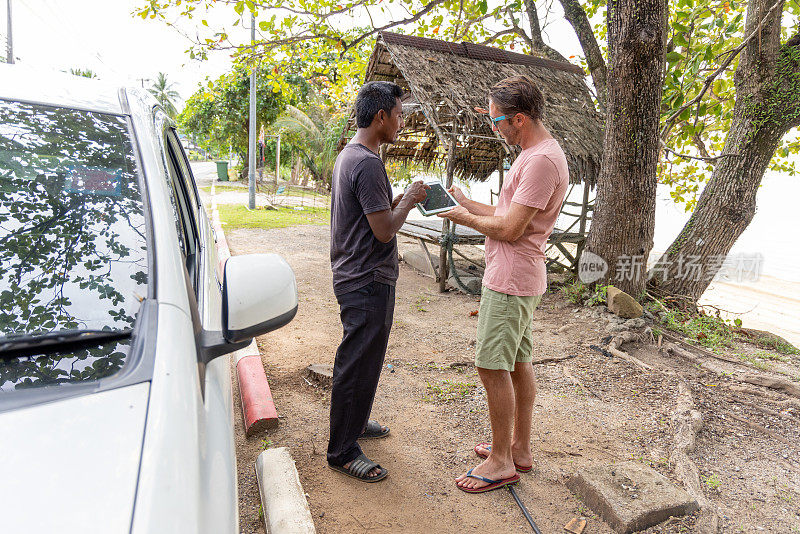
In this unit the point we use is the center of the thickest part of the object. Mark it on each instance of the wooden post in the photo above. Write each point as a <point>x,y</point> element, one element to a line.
<point>501,171</point>
<point>443,274</point>
<point>582,225</point>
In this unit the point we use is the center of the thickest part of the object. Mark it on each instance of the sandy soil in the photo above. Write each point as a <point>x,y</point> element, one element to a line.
<point>590,409</point>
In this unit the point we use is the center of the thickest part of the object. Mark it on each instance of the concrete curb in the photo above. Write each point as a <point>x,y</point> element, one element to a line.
<point>282,498</point>
<point>258,408</point>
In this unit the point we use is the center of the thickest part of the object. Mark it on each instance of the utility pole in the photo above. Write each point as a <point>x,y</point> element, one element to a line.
<point>9,42</point>
<point>251,156</point>
<point>278,160</point>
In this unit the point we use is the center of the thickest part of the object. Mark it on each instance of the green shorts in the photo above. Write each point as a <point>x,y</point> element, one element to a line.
<point>504,330</point>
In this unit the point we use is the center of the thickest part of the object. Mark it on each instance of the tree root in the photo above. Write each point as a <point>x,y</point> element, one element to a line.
<point>687,422</point>
<point>626,337</point>
<point>778,384</point>
<point>677,339</point>
<point>759,428</point>
<point>765,410</point>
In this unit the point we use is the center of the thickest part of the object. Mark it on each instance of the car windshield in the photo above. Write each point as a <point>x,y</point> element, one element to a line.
<point>73,253</point>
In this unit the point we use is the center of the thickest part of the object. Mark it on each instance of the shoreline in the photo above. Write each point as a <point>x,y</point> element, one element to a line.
<point>764,305</point>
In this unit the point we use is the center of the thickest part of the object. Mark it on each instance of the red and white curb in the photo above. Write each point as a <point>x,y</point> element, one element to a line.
<point>258,408</point>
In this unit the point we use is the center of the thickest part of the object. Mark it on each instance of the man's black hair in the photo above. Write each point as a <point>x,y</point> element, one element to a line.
<point>373,97</point>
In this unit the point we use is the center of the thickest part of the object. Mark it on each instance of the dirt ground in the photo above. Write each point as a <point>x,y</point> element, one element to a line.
<point>590,409</point>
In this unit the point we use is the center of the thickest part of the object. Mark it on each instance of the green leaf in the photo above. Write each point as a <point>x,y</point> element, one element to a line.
<point>674,57</point>
<point>239,8</point>
<point>681,27</point>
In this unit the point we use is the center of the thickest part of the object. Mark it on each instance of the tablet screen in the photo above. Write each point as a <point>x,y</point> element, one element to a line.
<point>437,198</point>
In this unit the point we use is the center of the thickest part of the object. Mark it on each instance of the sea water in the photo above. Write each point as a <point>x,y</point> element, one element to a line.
<point>771,301</point>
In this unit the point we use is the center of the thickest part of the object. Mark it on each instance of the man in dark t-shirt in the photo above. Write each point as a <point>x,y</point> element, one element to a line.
<point>364,221</point>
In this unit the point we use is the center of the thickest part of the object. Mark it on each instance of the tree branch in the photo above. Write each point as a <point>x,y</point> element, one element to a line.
<point>706,157</point>
<point>533,18</point>
<point>670,122</point>
<point>497,35</point>
<point>418,15</point>
<point>576,16</point>
<point>537,43</point>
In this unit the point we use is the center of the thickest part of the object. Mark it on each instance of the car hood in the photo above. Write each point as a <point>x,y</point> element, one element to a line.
<point>72,465</point>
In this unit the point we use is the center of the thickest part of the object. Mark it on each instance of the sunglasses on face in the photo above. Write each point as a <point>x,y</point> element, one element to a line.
<point>495,120</point>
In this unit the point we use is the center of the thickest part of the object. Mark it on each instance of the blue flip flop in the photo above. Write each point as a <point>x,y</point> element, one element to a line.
<point>492,484</point>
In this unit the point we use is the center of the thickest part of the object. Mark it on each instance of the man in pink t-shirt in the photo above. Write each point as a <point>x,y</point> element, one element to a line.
<point>516,233</point>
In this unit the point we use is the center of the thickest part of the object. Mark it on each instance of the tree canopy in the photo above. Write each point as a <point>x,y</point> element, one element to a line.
<point>217,114</point>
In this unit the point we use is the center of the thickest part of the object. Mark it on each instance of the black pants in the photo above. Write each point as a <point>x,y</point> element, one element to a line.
<point>367,315</point>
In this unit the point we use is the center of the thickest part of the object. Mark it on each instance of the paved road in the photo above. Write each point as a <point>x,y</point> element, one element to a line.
<point>204,172</point>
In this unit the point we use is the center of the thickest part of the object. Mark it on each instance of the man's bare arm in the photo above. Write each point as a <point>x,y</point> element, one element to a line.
<point>386,223</point>
<point>473,206</point>
<point>508,227</point>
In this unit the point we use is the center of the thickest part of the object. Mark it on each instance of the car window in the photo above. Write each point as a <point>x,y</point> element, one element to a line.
<point>185,199</point>
<point>73,246</point>
<point>185,173</point>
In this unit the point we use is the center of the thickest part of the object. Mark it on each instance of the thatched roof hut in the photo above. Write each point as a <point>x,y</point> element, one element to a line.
<point>445,81</point>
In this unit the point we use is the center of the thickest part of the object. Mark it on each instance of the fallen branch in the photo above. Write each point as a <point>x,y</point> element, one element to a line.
<point>704,364</point>
<point>551,359</point>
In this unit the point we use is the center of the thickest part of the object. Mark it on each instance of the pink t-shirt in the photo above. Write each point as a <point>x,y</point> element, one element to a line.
<point>538,178</point>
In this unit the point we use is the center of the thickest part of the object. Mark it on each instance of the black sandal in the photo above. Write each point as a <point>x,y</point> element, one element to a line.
<point>374,430</point>
<point>360,468</point>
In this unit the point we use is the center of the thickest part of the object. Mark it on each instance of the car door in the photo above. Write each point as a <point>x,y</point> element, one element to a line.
<point>205,296</point>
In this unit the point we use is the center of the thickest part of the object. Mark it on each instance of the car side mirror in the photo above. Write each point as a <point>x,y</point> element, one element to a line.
<point>259,294</point>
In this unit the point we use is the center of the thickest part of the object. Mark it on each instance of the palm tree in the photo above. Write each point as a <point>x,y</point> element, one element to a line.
<point>162,90</point>
<point>317,138</point>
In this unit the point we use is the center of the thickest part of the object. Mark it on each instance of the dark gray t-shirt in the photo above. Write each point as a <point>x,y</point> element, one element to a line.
<point>360,186</point>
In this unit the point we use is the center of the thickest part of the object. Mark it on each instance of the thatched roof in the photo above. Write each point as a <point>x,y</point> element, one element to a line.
<point>444,83</point>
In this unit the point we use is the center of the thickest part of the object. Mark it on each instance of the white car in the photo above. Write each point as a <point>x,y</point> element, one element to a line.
<point>115,318</point>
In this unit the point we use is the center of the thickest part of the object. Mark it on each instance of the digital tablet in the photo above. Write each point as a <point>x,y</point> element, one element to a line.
<point>437,201</point>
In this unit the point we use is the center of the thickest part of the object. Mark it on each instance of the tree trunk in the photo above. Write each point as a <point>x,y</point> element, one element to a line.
<point>576,16</point>
<point>767,106</point>
<point>624,216</point>
<point>245,173</point>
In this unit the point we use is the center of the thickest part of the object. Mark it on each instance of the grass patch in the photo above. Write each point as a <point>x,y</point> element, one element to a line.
<point>235,216</point>
<point>707,330</point>
<point>756,361</point>
<point>774,343</point>
<point>711,481</point>
<point>224,189</point>
<point>579,293</point>
<point>269,189</point>
<point>448,391</point>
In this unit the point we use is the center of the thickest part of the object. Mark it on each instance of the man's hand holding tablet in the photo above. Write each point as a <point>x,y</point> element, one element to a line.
<point>438,200</point>
<point>458,214</point>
